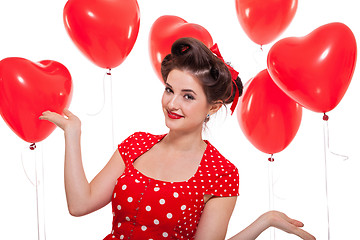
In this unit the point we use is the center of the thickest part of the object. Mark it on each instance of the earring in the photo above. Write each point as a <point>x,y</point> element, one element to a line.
<point>207,118</point>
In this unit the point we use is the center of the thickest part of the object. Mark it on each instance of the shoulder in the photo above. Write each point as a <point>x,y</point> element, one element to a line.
<point>136,144</point>
<point>146,137</point>
<point>218,161</point>
<point>221,175</point>
<point>139,139</point>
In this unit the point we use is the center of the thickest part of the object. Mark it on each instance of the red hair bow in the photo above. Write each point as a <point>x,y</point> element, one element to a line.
<point>234,75</point>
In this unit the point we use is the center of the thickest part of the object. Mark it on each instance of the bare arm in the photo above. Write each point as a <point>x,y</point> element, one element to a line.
<point>216,215</point>
<point>215,218</point>
<point>83,197</point>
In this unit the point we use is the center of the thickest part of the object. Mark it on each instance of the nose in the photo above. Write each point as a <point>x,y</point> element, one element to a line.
<point>174,102</point>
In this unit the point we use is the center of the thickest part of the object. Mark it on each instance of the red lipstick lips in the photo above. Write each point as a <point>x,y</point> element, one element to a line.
<point>174,115</point>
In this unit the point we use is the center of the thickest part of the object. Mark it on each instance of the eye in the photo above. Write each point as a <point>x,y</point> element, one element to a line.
<point>168,90</point>
<point>189,97</point>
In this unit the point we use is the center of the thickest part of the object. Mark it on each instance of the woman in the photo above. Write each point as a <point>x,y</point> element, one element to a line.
<point>175,185</point>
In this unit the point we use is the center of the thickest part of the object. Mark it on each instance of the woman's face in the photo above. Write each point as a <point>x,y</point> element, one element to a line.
<point>184,102</point>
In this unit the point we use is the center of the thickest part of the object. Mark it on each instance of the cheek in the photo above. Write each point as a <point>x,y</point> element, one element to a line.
<point>163,100</point>
<point>194,109</point>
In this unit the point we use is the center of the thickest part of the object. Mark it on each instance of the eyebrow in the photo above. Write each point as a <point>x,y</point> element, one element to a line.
<point>183,90</point>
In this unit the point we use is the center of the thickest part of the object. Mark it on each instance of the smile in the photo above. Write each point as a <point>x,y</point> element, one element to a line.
<point>174,115</point>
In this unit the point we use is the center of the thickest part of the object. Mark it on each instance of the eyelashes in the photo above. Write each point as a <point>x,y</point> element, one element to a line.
<point>168,90</point>
<point>187,96</point>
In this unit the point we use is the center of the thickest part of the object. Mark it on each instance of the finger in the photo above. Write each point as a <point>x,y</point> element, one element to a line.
<point>53,117</point>
<point>303,234</point>
<point>292,221</point>
<point>44,115</point>
<point>292,228</point>
<point>49,114</point>
<point>67,112</point>
<point>296,223</point>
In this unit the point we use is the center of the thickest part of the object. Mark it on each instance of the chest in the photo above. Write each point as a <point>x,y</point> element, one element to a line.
<point>145,203</point>
<point>167,166</point>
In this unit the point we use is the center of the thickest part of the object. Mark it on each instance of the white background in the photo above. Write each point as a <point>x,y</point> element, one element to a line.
<point>34,30</point>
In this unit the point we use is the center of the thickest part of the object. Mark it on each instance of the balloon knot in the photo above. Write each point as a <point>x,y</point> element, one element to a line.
<point>271,159</point>
<point>32,146</point>
<point>109,72</point>
<point>325,117</point>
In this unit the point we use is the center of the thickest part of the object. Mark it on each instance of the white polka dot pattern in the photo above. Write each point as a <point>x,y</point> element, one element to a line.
<point>146,208</point>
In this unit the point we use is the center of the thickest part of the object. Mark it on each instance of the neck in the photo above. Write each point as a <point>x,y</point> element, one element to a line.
<point>184,141</point>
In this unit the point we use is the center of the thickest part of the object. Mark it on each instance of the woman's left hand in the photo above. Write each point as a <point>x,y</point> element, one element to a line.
<point>281,221</point>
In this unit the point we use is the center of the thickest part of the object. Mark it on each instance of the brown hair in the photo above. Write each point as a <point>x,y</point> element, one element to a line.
<point>191,55</point>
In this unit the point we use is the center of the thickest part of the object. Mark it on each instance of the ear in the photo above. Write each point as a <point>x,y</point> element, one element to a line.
<point>215,107</point>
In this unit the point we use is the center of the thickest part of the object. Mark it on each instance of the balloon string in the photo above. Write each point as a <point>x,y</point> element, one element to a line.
<point>31,147</point>
<point>327,139</point>
<point>326,148</point>
<point>271,190</point>
<point>326,153</point>
<point>111,110</point>
<point>103,95</point>
<point>39,188</point>
<point>259,57</point>
<point>105,99</point>
<point>40,206</point>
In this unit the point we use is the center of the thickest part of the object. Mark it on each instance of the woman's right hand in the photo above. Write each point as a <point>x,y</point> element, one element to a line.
<point>69,123</point>
<point>283,222</point>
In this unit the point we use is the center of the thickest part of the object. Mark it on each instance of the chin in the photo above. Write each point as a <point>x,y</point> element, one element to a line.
<point>171,125</point>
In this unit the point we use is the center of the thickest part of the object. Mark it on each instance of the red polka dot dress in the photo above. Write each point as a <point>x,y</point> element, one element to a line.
<point>148,209</point>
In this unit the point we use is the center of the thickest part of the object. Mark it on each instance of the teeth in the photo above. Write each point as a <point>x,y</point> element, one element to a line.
<point>174,114</point>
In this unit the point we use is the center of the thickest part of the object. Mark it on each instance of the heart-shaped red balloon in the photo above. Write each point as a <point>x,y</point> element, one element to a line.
<point>267,116</point>
<point>104,31</point>
<point>165,31</point>
<point>315,70</point>
<point>263,21</point>
<point>27,89</point>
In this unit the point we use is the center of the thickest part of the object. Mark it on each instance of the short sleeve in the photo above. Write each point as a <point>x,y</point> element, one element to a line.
<point>136,144</point>
<point>125,147</point>
<point>226,184</point>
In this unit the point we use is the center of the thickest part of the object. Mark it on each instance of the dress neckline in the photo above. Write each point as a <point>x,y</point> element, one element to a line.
<point>159,138</point>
